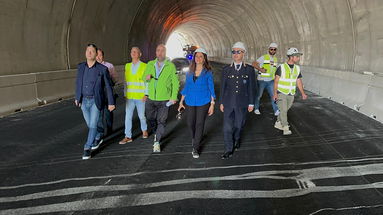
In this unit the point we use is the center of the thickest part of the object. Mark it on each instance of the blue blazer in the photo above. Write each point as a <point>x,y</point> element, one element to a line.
<point>199,93</point>
<point>101,87</point>
<point>238,87</point>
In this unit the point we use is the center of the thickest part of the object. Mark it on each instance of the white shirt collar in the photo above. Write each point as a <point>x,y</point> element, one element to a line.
<point>235,65</point>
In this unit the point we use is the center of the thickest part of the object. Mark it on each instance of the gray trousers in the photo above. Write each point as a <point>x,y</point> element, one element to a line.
<point>157,114</point>
<point>284,104</point>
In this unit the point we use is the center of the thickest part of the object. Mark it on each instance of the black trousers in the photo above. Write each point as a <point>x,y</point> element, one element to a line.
<point>157,114</point>
<point>195,118</point>
<point>233,121</point>
<point>105,123</point>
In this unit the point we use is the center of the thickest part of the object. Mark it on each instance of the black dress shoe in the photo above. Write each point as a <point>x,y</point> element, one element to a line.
<point>237,145</point>
<point>226,155</point>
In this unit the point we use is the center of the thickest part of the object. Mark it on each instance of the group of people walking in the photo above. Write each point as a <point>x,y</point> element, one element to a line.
<point>153,87</point>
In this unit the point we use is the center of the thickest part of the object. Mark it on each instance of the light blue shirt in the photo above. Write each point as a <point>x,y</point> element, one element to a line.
<point>135,67</point>
<point>159,69</point>
<point>235,66</point>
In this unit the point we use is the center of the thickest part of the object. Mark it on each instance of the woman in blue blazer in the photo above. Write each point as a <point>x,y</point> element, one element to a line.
<point>198,95</point>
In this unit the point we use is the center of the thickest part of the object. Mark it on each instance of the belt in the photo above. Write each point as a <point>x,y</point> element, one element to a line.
<point>88,97</point>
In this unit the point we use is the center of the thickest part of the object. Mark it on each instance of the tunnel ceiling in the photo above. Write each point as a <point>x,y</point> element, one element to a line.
<point>48,35</point>
<point>341,34</point>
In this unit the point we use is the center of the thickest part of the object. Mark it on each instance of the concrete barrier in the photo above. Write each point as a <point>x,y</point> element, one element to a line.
<point>361,92</point>
<point>17,92</point>
<point>55,85</point>
<point>24,91</point>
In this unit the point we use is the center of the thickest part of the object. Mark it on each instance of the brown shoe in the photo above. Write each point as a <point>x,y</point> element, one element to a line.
<point>125,140</point>
<point>145,134</point>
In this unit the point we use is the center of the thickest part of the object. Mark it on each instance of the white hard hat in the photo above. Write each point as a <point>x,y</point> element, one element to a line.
<point>293,52</point>
<point>239,45</point>
<point>202,50</point>
<point>273,45</point>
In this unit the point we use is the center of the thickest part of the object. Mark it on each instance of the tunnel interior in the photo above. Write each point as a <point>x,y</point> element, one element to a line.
<point>44,40</point>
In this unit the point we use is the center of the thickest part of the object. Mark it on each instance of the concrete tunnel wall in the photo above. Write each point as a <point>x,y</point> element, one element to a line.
<point>43,40</point>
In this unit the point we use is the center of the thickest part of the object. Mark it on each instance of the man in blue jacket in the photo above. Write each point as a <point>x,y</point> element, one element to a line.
<point>92,79</point>
<point>236,97</point>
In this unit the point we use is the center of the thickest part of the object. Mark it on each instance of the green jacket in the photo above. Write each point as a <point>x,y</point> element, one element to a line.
<point>167,85</point>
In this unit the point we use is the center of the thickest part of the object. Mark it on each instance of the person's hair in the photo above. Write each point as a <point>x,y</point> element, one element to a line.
<point>102,52</point>
<point>206,63</point>
<point>162,45</point>
<point>92,45</point>
<point>136,47</point>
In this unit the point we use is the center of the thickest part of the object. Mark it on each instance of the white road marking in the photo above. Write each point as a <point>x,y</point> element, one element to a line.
<point>107,182</point>
<point>165,197</point>
<point>326,210</point>
<point>349,161</point>
<point>303,177</point>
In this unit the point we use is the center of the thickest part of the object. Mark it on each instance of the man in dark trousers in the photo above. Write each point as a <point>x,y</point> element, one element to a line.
<point>236,97</point>
<point>91,82</point>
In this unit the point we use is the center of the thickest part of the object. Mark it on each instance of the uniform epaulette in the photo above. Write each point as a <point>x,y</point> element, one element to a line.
<point>226,66</point>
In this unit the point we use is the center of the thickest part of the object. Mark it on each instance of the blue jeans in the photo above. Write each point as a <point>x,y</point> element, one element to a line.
<point>91,115</point>
<point>129,109</point>
<point>269,85</point>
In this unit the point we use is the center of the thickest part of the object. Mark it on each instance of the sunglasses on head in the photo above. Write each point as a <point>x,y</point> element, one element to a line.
<point>272,49</point>
<point>236,52</point>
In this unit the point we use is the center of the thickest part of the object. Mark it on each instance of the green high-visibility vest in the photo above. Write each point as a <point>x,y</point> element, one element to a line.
<point>270,66</point>
<point>135,86</point>
<point>288,81</point>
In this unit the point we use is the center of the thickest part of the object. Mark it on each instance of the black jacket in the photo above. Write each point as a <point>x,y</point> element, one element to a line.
<point>238,87</point>
<point>103,82</point>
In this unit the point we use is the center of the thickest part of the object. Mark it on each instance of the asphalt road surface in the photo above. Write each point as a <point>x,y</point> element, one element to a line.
<point>331,164</point>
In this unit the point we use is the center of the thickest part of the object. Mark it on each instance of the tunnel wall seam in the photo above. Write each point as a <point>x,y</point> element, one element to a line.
<point>68,33</point>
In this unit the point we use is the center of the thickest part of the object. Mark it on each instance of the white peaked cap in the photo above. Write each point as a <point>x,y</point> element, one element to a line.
<point>239,45</point>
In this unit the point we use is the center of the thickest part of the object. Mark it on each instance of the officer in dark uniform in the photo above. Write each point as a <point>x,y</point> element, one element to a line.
<point>236,97</point>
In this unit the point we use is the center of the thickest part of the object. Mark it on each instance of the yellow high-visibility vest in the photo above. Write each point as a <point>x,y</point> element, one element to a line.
<point>135,86</point>
<point>270,66</point>
<point>288,81</point>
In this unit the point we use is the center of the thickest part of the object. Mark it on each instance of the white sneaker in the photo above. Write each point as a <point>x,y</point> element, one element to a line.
<point>156,147</point>
<point>278,125</point>
<point>195,154</point>
<point>277,113</point>
<point>286,130</point>
<point>256,111</point>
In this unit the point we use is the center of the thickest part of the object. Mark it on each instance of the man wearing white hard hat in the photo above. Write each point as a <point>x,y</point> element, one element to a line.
<point>236,97</point>
<point>198,95</point>
<point>266,65</point>
<point>287,77</point>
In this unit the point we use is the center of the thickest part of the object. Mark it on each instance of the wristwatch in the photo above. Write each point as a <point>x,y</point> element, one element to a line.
<point>212,102</point>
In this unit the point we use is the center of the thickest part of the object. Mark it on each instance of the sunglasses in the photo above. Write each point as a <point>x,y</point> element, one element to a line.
<point>272,49</point>
<point>237,52</point>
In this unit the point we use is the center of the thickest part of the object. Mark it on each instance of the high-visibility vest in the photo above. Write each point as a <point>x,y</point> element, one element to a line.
<point>288,81</point>
<point>270,66</point>
<point>135,86</point>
